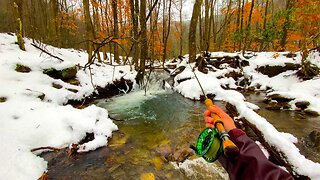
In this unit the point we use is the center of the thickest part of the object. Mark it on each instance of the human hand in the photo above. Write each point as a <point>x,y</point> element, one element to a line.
<point>225,118</point>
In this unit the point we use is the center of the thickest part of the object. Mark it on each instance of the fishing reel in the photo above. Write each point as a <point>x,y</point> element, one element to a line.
<point>208,145</point>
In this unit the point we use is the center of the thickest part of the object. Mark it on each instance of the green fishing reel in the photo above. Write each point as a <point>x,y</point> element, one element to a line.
<point>208,145</point>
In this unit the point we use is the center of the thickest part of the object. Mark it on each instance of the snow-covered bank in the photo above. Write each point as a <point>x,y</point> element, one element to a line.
<point>32,110</point>
<point>286,84</point>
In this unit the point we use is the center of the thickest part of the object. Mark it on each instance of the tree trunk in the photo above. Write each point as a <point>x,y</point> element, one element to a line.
<point>181,27</point>
<point>193,29</point>
<point>115,30</point>
<point>88,23</point>
<point>264,24</point>
<point>166,35</point>
<point>134,8</point>
<point>248,28</point>
<point>17,5</point>
<point>143,41</point>
<point>283,40</point>
<point>205,41</point>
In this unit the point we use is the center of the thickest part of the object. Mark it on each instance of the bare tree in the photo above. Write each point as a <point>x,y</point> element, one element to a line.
<point>193,29</point>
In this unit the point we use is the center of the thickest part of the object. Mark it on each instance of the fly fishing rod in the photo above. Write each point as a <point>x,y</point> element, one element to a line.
<point>208,144</point>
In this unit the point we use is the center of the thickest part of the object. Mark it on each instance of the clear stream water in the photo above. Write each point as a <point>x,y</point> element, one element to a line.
<point>161,118</point>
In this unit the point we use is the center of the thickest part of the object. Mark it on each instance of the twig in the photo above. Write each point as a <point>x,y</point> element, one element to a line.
<point>47,148</point>
<point>34,45</point>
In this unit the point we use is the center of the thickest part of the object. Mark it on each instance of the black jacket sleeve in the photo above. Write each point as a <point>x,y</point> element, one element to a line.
<point>251,163</point>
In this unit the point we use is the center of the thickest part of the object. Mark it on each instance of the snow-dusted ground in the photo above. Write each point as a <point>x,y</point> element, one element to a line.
<point>28,122</point>
<point>286,84</point>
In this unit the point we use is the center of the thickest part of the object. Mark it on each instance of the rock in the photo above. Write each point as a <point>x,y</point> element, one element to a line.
<point>272,71</point>
<point>274,105</point>
<point>147,176</point>
<point>314,137</point>
<point>57,86</point>
<point>251,88</point>
<point>69,73</point>
<point>3,99</point>
<point>158,162</point>
<point>279,98</point>
<point>302,104</point>
<point>164,150</point>
<point>52,73</point>
<point>182,154</point>
<point>73,81</point>
<point>311,112</point>
<point>234,74</point>
<point>244,82</point>
<point>290,55</point>
<point>72,90</point>
<point>22,68</point>
<point>118,139</point>
<point>64,74</point>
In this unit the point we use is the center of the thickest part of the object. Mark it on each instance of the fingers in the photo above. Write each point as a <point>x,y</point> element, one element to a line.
<point>207,113</point>
<point>209,121</point>
<point>208,125</point>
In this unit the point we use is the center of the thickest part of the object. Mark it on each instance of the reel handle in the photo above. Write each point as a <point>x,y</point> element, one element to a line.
<point>229,148</point>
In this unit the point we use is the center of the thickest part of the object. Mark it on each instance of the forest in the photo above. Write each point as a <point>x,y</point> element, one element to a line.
<point>117,89</point>
<point>162,27</point>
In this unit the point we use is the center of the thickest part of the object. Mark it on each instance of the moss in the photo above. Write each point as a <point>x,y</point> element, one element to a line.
<point>3,99</point>
<point>22,68</point>
<point>69,73</point>
<point>64,74</point>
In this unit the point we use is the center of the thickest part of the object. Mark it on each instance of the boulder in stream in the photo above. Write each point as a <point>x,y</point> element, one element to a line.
<point>279,98</point>
<point>302,104</point>
<point>181,154</point>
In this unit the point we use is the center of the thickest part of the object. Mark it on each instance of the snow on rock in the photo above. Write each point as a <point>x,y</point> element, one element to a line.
<point>286,84</point>
<point>33,113</point>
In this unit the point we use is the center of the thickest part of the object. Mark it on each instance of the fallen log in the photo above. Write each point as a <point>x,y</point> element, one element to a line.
<point>253,132</point>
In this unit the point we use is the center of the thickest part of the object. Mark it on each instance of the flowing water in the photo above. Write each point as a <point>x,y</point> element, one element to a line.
<point>153,125</point>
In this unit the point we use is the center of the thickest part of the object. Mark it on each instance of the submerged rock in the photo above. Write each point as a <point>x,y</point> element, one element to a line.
<point>274,105</point>
<point>311,112</point>
<point>181,154</point>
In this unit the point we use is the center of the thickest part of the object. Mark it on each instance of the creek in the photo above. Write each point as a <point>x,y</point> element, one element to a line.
<point>154,124</point>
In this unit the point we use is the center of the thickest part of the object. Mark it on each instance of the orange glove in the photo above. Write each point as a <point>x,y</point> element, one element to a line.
<point>225,118</point>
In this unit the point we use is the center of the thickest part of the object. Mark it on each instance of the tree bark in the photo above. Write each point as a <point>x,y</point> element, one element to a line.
<point>285,28</point>
<point>114,5</point>
<point>143,42</point>
<point>17,5</point>
<point>248,28</point>
<point>193,29</point>
<point>88,29</point>
<point>166,35</point>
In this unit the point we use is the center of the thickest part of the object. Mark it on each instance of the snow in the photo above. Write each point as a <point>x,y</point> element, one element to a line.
<point>285,84</point>
<point>27,122</point>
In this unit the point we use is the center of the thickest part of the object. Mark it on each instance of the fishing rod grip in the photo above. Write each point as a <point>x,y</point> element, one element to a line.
<point>229,148</point>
